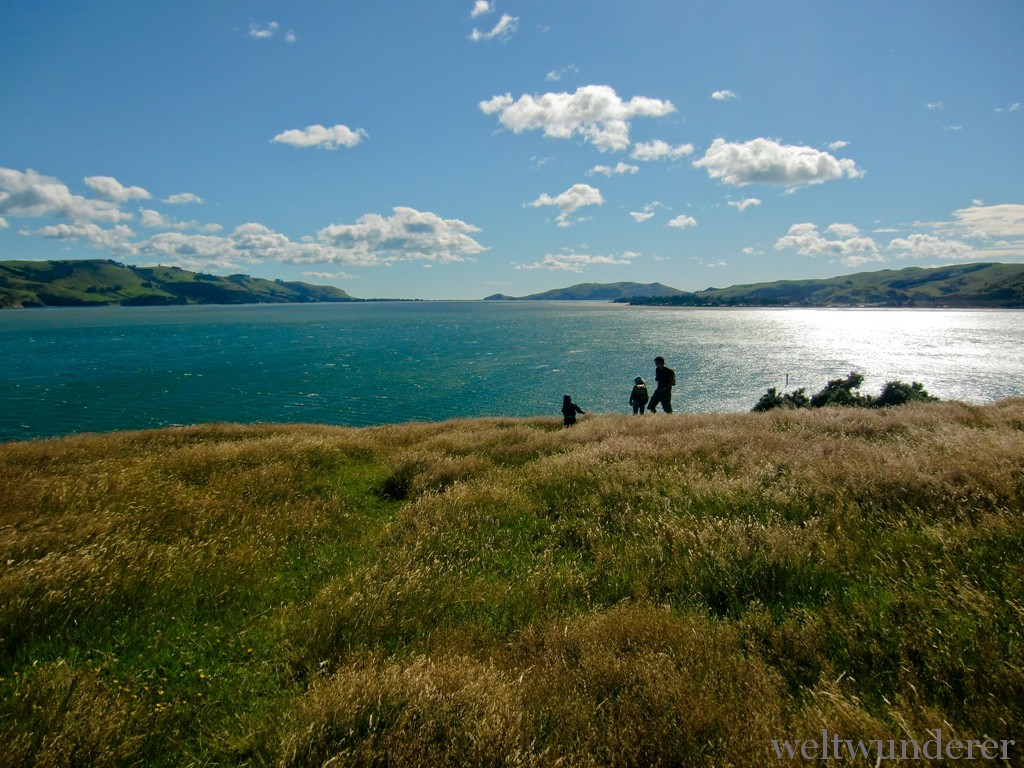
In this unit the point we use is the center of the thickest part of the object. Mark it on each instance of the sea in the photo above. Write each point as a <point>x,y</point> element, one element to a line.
<point>73,370</point>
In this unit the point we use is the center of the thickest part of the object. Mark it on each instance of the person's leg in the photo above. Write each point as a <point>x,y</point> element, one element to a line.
<point>652,405</point>
<point>666,400</point>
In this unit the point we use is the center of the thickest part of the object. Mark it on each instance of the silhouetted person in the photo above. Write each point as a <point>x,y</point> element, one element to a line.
<point>569,411</point>
<point>638,397</point>
<point>666,379</point>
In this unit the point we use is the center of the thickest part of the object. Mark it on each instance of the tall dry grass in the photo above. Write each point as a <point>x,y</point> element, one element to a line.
<point>669,590</point>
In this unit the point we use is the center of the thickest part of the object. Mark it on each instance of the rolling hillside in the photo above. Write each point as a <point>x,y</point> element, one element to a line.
<point>101,282</point>
<point>962,286</point>
<point>595,292</point>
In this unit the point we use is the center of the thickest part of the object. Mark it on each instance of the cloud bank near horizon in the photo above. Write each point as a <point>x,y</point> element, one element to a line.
<point>102,222</point>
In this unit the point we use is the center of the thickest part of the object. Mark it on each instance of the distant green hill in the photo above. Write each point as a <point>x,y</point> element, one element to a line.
<point>594,292</point>
<point>101,282</point>
<point>965,286</point>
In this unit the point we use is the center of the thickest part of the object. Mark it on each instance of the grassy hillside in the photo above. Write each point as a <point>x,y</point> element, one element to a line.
<point>634,591</point>
<point>594,292</point>
<point>99,282</point>
<point>964,285</point>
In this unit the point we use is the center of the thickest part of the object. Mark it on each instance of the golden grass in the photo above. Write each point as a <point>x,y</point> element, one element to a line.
<point>669,590</point>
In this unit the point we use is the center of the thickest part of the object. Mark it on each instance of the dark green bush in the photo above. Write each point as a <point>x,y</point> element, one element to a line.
<point>846,392</point>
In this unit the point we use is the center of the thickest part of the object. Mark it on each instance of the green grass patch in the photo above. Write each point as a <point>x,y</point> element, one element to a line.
<point>631,592</point>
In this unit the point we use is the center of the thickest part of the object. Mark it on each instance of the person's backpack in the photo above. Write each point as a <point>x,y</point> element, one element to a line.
<point>671,377</point>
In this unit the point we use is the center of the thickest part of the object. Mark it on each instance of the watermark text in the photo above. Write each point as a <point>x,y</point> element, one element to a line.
<point>832,747</point>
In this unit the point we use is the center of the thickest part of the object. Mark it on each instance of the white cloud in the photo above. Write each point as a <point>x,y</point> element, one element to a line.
<point>648,211</point>
<point>557,74</point>
<point>682,222</point>
<point>3,223</point>
<point>269,30</point>
<point>109,188</point>
<point>998,232</point>
<point>932,106</point>
<point>723,95</point>
<point>660,150</point>
<point>619,169</point>
<point>577,262</point>
<point>373,240</point>
<point>988,221</point>
<point>330,275</point>
<point>1012,108</point>
<point>31,194</point>
<point>406,235</point>
<point>848,245</point>
<point>320,137</point>
<point>503,30</point>
<point>263,32</point>
<point>570,201</point>
<point>742,205</point>
<point>931,247</point>
<point>480,7</point>
<point>184,198</point>
<point>155,220</point>
<point>94,235</point>
<point>594,112</point>
<point>836,145</point>
<point>763,161</point>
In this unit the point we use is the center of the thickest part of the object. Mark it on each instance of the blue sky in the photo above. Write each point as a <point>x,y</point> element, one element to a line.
<point>456,149</point>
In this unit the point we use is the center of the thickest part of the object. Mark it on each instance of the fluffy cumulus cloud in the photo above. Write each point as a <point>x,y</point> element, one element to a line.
<point>480,7</point>
<point>660,150</point>
<point>109,188</point>
<point>593,112</point>
<point>764,161</point>
<point>30,194</point>
<point>619,169</point>
<point>407,234</point>
<point>115,238</point>
<point>570,201</point>
<point>321,137</point>
<point>846,244</point>
<point>930,247</point>
<point>502,31</point>
<point>723,95</point>
<point>682,222</point>
<point>570,261</point>
<point>742,205</point>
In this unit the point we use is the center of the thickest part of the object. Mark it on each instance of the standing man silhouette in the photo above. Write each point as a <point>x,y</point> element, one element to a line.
<point>666,379</point>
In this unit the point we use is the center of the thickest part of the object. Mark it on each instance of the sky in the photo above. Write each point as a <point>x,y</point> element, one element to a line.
<point>455,149</point>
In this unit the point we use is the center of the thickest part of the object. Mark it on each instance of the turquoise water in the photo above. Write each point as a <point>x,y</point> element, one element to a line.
<point>104,369</point>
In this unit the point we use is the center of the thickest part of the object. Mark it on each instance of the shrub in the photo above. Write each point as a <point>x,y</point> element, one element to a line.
<point>899,393</point>
<point>845,392</point>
